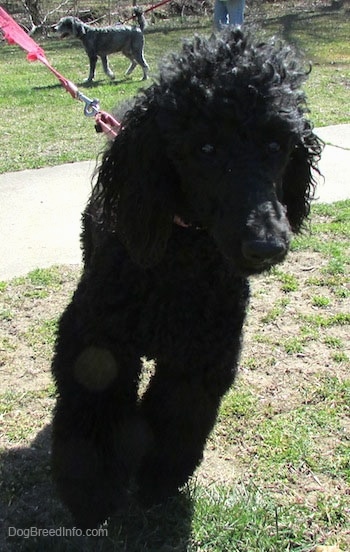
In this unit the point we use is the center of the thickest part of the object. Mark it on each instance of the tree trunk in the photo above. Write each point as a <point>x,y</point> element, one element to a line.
<point>33,8</point>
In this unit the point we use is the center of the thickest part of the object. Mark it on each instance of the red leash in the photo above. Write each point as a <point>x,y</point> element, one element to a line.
<point>149,9</point>
<point>14,34</point>
<point>157,5</point>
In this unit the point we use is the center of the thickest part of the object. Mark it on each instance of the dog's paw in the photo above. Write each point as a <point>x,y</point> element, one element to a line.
<point>91,482</point>
<point>88,81</point>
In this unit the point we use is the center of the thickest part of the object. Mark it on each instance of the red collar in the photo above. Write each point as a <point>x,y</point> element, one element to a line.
<point>179,222</point>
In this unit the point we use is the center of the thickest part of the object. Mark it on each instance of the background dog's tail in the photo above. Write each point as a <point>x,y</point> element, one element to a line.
<point>139,15</point>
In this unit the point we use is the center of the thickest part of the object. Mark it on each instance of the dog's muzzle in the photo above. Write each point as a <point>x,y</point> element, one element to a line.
<point>260,254</point>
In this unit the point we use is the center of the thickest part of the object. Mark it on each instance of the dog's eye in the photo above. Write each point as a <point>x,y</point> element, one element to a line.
<point>208,149</point>
<point>274,147</point>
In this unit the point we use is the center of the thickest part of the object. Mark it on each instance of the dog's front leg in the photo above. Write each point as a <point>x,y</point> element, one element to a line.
<point>180,409</point>
<point>97,435</point>
<point>93,61</point>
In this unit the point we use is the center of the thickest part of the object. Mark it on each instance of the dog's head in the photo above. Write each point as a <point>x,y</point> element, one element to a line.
<point>222,141</point>
<point>70,27</point>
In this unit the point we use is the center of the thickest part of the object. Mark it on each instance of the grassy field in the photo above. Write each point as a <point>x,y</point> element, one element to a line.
<point>41,125</point>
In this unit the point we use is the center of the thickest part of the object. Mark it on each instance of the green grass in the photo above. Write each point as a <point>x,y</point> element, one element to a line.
<point>42,277</point>
<point>291,442</point>
<point>321,301</point>
<point>320,321</point>
<point>276,311</point>
<point>239,403</point>
<point>17,408</point>
<point>293,345</point>
<point>288,281</point>
<point>42,334</point>
<point>291,439</point>
<point>245,519</point>
<point>340,357</point>
<point>41,125</point>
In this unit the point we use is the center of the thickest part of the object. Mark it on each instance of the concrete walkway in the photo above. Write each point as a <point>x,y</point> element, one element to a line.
<point>335,164</point>
<point>40,209</point>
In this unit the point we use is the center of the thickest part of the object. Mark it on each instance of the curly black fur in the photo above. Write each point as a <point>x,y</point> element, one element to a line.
<point>204,185</point>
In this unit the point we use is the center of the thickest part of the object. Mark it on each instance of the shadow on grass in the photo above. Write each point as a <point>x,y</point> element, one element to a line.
<point>87,85</point>
<point>28,502</point>
<point>319,22</point>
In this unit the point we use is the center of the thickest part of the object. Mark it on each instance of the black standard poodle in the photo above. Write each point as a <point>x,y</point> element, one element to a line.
<point>203,187</point>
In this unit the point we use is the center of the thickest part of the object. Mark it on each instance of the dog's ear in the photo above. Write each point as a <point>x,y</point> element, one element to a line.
<point>78,28</point>
<point>138,185</point>
<point>299,178</point>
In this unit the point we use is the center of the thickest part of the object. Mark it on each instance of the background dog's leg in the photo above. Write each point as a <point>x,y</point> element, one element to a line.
<point>139,57</point>
<point>106,67</point>
<point>131,66</point>
<point>141,61</point>
<point>93,61</point>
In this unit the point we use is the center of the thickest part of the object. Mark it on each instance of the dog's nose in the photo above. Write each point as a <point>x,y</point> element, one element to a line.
<point>257,251</point>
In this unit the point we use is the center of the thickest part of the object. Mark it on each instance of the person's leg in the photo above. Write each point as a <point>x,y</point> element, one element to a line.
<point>235,9</point>
<point>220,14</point>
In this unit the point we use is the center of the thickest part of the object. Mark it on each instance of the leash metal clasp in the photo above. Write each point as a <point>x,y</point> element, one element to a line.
<point>91,107</point>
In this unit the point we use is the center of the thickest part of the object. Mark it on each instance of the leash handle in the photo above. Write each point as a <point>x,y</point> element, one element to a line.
<point>107,124</point>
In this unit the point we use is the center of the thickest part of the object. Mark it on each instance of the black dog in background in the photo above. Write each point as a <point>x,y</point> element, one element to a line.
<point>202,188</point>
<point>102,41</point>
